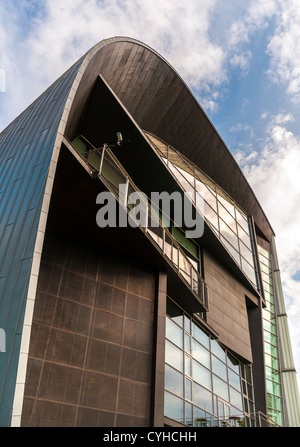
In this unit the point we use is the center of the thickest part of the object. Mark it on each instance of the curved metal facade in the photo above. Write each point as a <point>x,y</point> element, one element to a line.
<point>26,148</point>
<point>160,102</point>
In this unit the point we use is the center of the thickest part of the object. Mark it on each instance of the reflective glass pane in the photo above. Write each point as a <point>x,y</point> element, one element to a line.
<point>236,398</point>
<point>211,215</point>
<point>249,270</point>
<point>234,253</point>
<point>228,234</point>
<point>201,375</point>
<point>242,220</point>
<point>233,363</point>
<point>217,349</point>
<point>226,204</point>
<point>187,343</point>
<point>174,407</point>
<point>273,388</point>
<point>220,388</point>
<point>174,333</point>
<point>200,335</point>
<point>234,379</point>
<point>173,381</point>
<point>174,312</point>
<point>202,418</point>
<point>246,253</point>
<point>174,356</point>
<point>188,389</point>
<point>202,397</point>
<point>201,354</point>
<point>245,237</point>
<point>219,368</point>
<point>188,414</point>
<point>188,365</point>
<point>210,198</point>
<point>228,218</point>
<point>187,324</point>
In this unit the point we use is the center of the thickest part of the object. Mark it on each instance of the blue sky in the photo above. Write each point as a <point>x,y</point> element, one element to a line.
<point>240,58</point>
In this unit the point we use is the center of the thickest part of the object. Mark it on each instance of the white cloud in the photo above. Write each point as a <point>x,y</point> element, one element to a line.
<point>274,176</point>
<point>65,30</point>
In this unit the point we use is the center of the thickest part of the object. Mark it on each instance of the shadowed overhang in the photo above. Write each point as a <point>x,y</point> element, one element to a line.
<point>161,103</point>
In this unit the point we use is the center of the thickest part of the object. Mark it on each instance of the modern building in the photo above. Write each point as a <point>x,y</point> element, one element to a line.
<point>135,325</point>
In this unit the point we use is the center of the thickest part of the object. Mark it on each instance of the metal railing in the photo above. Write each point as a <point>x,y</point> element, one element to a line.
<point>103,163</point>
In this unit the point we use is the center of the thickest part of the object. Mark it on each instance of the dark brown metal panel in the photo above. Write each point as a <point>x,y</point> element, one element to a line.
<point>161,103</point>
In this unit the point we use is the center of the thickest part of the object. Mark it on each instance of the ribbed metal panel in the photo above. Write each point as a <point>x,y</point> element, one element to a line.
<point>288,372</point>
<point>26,147</point>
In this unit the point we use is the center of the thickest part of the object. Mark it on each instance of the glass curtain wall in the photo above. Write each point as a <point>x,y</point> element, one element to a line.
<point>205,385</point>
<point>273,379</point>
<point>226,219</point>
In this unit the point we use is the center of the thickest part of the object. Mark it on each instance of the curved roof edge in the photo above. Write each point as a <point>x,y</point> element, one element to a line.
<point>234,170</point>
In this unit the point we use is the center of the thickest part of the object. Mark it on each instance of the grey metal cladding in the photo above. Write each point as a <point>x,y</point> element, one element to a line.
<point>26,147</point>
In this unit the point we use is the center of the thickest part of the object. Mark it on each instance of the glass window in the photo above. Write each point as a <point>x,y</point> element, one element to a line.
<point>201,375</point>
<point>228,218</point>
<point>202,418</point>
<point>201,354</point>
<point>234,379</point>
<point>200,335</point>
<point>249,270</point>
<point>188,365</point>
<point>233,363</point>
<point>242,220</point>
<point>187,343</point>
<point>229,235</point>
<point>174,356</point>
<point>202,397</point>
<point>188,414</point>
<point>219,368</point>
<point>210,198</point>
<point>220,388</point>
<point>234,253</point>
<point>246,253</point>
<point>244,237</point>
<point>218,351</point>
<point>228,205</point>
<point>187,324</point>
<point>173,381</point>
<point>174,333</point>
<point>211,215</point>
<point>188,389</point>
<point>174,312</point>
<point>236,399</point>
<point>174,407</point>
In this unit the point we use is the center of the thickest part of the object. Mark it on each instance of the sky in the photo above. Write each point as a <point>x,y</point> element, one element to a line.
<point>240,58</point>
